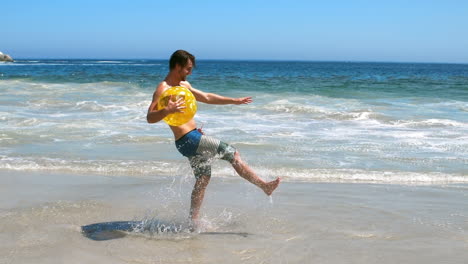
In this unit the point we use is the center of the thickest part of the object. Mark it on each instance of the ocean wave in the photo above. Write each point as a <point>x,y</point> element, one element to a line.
<point>139,168</point>
<point>111,61</point>
<point>320,112</point>
<point>67,98</point>
<point>364,176</point>
<point>290,107</point>
<point>23,63</point>
<point>343,110</point>
<point>24,84</point>
<point>106,167</point>
<point>428,123</point>
<point>94,106</point>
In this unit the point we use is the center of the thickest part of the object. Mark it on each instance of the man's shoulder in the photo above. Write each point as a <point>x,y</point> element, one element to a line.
<point>186,84</point>
<point>162,86</point>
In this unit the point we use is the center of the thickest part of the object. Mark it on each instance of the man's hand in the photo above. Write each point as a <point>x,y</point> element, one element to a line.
<point>175,106</point>
<point>243,100</point>
<point>200,129</point>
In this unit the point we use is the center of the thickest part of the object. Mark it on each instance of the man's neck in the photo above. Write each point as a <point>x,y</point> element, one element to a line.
<point>172,79</point>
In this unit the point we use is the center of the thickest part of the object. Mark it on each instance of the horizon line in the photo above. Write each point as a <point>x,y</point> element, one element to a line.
<point>247,60</point>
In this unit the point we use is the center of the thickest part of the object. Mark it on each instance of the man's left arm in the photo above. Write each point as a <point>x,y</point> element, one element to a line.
<point>212,98</point>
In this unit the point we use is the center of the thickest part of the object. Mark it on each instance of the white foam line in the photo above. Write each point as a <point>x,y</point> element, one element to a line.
<point>144,168</point>
<point>429,122</point>
<point>106,167</point>
<point>346,175</point>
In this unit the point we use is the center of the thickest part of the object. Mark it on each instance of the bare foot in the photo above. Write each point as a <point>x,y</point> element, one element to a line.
<point>194,225</point>
<point>271,186</point>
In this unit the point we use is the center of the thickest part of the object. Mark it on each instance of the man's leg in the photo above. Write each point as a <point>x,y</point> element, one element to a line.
<point>247,173</point>
<point>197,197</point>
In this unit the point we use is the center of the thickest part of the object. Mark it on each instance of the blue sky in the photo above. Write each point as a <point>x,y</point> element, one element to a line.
<point>406,31</point>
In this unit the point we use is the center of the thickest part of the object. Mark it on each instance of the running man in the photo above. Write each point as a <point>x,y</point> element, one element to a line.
<point>191,142</point>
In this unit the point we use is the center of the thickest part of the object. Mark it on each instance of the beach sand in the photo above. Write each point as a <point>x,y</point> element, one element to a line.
<point>41,215</point>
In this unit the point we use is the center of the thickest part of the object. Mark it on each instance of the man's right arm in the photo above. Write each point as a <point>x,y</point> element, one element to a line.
<point>154,115</point>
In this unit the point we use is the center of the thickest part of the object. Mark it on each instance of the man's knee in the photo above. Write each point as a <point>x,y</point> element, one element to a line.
<point>236,157</point>
<point>202,181</point>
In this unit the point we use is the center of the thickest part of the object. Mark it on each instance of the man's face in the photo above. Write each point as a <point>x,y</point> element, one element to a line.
<point>186,70</point>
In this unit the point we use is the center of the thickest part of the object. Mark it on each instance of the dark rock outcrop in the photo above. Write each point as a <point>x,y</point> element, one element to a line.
<point>5,57</point>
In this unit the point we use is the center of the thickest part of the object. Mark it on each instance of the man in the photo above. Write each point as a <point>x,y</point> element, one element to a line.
<point>191,142</point>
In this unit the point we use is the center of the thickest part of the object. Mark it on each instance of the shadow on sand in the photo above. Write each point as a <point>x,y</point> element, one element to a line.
<point>119,229</point>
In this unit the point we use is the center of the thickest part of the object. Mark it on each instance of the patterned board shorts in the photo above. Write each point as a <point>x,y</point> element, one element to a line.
<point>201,150</point>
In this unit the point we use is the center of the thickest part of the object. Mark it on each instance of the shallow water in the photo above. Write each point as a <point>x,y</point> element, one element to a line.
<point>306,223</point>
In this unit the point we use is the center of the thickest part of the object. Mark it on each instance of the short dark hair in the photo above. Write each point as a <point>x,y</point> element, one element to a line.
<point>180,57</point>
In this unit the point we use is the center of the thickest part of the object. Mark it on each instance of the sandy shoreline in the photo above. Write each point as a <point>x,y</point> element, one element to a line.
<point>41,215</point>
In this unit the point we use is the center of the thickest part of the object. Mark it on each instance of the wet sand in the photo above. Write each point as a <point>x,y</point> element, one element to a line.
<point>41,219</point>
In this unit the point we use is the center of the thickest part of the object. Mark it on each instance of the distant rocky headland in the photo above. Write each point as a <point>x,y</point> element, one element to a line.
<point>5,57</point>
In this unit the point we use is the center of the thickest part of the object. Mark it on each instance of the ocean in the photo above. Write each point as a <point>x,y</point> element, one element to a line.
<point>310,121</point>
<point>373,159</point>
